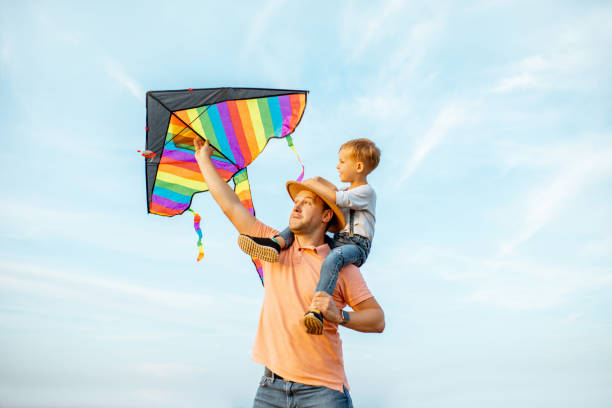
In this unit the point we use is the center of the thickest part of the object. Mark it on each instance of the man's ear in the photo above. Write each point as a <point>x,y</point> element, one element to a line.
<point>327,215</point>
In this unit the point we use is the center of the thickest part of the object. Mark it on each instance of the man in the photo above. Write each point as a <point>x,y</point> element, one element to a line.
<point>301,370</point>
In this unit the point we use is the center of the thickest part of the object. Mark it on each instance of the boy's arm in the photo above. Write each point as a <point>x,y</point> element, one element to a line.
<point>367,317</point>
<point>359,198</point>
<point>223,194</point>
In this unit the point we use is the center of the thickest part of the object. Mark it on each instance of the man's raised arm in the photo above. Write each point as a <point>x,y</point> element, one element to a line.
<point>223,194</point>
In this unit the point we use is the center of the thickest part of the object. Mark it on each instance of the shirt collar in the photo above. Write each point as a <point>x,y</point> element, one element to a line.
<point>321,250</point>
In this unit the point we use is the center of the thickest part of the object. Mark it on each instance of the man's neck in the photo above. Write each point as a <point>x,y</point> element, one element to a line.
<point>309,240</point>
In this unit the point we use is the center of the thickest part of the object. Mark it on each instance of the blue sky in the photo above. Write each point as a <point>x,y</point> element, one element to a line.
<point>493,251</point>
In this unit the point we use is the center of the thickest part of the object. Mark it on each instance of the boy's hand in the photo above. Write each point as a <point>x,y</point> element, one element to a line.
<point>326,185</point>
<point>325,303</point>
<point>203,149</point>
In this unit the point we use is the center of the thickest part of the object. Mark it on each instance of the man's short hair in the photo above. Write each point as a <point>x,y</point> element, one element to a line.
<point>364,150</point>
<point>327,207</point>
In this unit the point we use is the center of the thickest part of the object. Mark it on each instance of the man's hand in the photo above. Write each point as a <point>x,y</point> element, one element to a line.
<point>229,202</point>
<point>367,317</point>
<point>325,303</point>
<point>203,149</point>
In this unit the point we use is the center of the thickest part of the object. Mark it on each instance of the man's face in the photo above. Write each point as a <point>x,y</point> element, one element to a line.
<point>308,214</point>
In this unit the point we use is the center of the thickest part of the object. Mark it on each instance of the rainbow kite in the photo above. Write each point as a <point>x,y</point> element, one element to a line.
<point>237,122</point>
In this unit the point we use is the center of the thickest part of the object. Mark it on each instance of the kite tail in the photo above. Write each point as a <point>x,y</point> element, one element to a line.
<point>290,143</point>
<point>196,226</point>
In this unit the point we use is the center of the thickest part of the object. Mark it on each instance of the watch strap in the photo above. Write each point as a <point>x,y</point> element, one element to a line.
<point>346,317</point>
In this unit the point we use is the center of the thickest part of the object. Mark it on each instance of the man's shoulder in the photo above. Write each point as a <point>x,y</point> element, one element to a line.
<point>352,287</point>
<point>350,273</point>
<point>259,229</point>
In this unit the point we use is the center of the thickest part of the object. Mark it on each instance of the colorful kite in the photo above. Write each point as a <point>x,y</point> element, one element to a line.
<point>237,122</point>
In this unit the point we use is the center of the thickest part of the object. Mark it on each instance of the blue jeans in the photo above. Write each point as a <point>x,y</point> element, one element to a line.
<point>276,393</point>
<point>346,249</point>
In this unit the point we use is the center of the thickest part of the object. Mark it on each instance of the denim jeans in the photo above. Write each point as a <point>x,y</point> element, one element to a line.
<point>346,250</point>
<point>288,237</point>
<point>276,393</point>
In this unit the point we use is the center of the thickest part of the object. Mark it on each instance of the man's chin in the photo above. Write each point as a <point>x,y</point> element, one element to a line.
<point>296,226</point>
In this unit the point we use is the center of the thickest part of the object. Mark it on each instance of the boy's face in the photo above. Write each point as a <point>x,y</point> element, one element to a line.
<point>348,168</point>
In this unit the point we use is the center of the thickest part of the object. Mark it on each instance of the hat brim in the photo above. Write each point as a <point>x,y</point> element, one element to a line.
<point>338,222</point>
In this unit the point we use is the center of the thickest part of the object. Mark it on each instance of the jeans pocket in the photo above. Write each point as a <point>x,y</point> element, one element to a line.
<point>264,381</point>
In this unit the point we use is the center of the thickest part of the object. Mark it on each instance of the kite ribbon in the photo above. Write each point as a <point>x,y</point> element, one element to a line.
<point>196,226</point>
<point>290,143</point>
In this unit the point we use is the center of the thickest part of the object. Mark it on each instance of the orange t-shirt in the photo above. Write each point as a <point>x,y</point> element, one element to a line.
<point>282,343</point>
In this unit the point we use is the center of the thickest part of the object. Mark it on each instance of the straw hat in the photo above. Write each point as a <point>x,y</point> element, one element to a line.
<point>326,191</point>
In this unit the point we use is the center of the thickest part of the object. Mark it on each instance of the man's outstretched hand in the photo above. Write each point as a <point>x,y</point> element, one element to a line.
<point>223,194</point>
<point>203,149</point>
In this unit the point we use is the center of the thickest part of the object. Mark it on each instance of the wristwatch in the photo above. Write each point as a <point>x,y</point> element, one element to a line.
<point>346,317</point>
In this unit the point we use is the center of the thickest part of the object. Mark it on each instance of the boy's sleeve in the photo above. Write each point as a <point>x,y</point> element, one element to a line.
<point>358,198</point>
<point>353,287</point>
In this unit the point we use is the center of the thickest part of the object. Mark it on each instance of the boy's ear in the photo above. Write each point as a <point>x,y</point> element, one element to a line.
<point>359,167</point>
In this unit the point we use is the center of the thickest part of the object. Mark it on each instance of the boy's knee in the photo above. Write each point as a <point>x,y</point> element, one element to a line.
<point>334,254</point>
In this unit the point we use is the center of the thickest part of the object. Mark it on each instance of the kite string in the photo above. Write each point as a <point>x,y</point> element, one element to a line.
<point>196,226</point>
<point>290,143</point>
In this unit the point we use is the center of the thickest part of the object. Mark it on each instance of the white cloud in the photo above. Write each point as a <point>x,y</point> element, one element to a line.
<point>5,51</point>
<point>411,51</point>
<point>374,27</point>
<point>575,58</point>
<point>33,287</point>
<point>261,21</point>
<point>523,285</point>
<point>534,63</point>
<point>116,72</point>
<point>56,30</point>
<point>24,220</point>
<point>61,282</point>
<point>522,81</point>
<point>169,369</point>
<point>577,170</point>
<point>447,120</point>
<point>572,317</point>
<point>511,283</point>
<point>599,247</point>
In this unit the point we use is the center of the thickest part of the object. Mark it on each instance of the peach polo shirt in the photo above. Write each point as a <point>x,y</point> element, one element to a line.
<point>281,342</point>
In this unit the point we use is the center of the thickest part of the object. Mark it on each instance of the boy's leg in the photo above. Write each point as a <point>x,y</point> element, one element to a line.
<point>286,236</point>
<point>266,249</point>
<point>338,257</point>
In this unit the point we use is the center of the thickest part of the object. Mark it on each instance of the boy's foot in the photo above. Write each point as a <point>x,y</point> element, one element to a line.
<point>313,320</point>
<point>265,249</point>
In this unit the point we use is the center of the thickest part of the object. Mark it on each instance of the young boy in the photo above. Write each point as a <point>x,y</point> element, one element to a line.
<point>356,159</point>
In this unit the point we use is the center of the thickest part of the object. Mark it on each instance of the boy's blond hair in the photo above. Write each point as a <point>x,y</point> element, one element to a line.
<point>364,150</point>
